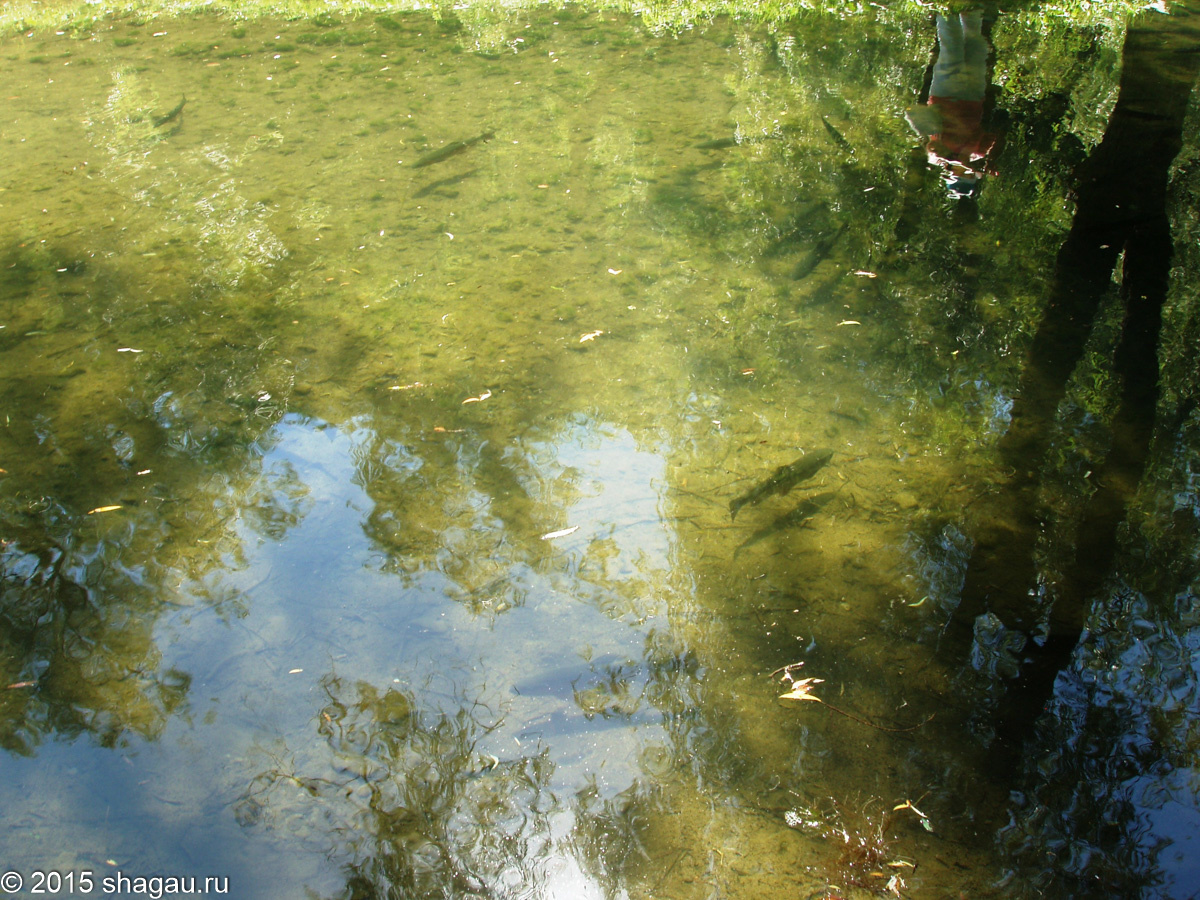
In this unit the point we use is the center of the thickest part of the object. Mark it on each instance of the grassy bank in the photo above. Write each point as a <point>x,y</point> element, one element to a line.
<point>81,15</point>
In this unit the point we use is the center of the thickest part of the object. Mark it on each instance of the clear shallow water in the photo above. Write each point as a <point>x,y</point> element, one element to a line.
<point>422,580</point>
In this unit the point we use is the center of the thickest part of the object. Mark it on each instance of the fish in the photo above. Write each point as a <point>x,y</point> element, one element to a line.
<point>452,149</point>
<point>798,229</point>
<point>811,257</point>
<point>443,182</point>
<point>718,144</point>
<point>159,121</point>
<point>733,141</point>
<point>782,479</point>
<point>808,507</point>
<point>837,136</point>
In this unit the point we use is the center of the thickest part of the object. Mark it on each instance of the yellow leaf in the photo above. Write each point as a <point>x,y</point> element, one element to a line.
<point>802,690</point>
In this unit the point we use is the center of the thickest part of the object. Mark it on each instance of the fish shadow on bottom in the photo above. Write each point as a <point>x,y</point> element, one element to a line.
<point>807,508</point>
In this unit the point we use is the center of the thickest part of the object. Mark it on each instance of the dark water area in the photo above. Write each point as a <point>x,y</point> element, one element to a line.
<point>532,453</point>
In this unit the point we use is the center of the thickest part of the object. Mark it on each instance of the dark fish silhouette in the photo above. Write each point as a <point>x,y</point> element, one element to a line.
<point>444,182</point>
<point>811,257</point>
<point>452,149</point>
<point>734,141</point>
<point>802,513</point>
<point>718,144</point>
<point>837,136</point>
<point>159,121</point>
<point>782,479</point>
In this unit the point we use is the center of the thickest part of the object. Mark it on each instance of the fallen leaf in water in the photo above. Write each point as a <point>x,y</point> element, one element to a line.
<point>551,535</point>
<point>802,690</point>
<point>100,509</point>
<point>907,804</point>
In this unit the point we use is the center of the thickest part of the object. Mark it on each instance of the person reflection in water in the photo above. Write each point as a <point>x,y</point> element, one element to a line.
<point>952,118</point>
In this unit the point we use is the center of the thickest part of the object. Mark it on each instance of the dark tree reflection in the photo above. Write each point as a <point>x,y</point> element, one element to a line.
<point>1094,720</point>
<point>410,806</point>
<point>1117,214</point>
<point>110,497</point>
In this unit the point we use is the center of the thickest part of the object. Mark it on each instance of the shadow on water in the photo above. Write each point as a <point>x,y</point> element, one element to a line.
<point>1121,216</point>
<point>1119,250</point>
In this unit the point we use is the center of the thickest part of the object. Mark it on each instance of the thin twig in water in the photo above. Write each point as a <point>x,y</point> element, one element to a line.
<point>876,725</point>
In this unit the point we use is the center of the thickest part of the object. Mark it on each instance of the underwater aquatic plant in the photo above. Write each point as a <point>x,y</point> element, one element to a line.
<point>865,856</point>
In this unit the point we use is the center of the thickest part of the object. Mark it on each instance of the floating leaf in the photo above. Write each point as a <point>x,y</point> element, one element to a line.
<point>802,690</point>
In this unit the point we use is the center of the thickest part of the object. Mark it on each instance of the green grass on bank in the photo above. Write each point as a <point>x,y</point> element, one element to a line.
<point>81,15</point>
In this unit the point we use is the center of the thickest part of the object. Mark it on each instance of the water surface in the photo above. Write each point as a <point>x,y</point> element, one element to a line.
<point>366,524</point>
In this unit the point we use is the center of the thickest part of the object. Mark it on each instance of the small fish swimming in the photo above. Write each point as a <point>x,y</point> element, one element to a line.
<point>812,257</point>
<point>837,136</point>
<point>452,149</point>
<point>782,479</point>
<point>805,511</point>
<point>734,141</point>
<point>718,144</point>
<point>159,121</point>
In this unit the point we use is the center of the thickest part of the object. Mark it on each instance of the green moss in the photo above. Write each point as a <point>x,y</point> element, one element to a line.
<point>193,49</point>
